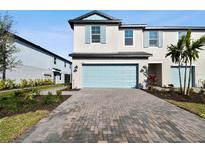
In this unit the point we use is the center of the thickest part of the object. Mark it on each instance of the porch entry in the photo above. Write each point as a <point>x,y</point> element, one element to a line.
<point>156,69</point>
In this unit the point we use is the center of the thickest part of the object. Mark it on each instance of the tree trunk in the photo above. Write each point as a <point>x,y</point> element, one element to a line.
<point>189,80</point>
<point>4,68</point>
<point>4,75</point>
<point>180,80</point>
<point>185,78</point>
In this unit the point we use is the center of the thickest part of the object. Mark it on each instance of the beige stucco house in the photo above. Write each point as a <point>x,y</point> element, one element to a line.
<point>110,54</point>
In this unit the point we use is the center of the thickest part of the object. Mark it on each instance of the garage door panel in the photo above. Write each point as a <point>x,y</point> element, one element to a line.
<point>113,76</point>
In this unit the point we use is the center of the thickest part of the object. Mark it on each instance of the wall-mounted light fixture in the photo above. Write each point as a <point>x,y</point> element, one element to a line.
<point>75,69</point>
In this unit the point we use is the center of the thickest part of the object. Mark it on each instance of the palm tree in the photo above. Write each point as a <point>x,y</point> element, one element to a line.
<point>185,57</point>
<point>175,52</point>
<point>192,50</point>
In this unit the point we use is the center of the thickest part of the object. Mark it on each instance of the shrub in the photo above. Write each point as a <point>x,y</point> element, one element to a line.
<point>36,92</point>
<point>191,91</point>
<point>10,84</point>
<point>19,93</point>
<point>203,116</point>
<point>58,92</point>
<point>29,96</point>
<point>23,83</point>
<point>48,99</point>
<point>7,84</point>
<point>49,93</point>
<point>31,83</point>
<point>152,79</point>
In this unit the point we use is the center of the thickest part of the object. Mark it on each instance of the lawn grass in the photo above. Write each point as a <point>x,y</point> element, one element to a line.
<point>12,127</point>
<point>196,108</point>
<point>20,110</point>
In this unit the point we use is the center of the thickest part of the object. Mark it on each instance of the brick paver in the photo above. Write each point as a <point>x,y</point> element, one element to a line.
<point>117,115</point>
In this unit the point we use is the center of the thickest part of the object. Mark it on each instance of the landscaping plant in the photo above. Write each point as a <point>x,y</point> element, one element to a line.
<point>192,49</point>
<point>185,52</point>
<point>8,60</point>
<point>152,80</point>
<point>175,52</point>
<point>10,84</point>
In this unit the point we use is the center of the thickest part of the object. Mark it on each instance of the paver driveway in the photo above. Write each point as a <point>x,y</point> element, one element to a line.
<point>117,115</point>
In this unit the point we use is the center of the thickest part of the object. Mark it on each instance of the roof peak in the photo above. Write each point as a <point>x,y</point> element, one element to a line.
<point>96,12</point>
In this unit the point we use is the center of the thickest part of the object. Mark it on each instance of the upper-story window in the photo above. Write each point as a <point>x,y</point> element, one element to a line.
<point>95,34</point>
<point>180,34</point>
<point>153,38</point>
<point>128,37</point>
<point>54,60</point>
<point>64,64</point>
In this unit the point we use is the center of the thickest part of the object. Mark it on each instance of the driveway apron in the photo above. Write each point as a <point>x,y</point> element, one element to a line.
<point>116,115</point>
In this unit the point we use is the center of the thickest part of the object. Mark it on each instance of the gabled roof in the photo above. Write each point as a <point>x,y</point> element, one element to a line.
<point>40,48</point>
<point>98,13</point>
<point>79,20</point>
<point>113,20</point>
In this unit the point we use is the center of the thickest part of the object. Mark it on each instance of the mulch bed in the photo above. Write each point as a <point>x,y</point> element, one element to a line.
<point>38,105</point>
<point>194,97</point>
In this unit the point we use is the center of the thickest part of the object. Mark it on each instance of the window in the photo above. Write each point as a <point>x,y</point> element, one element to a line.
<point>153,39</point>
<point>128,37</point>
<point>54,60</point>
<point>64,64</point>
<point>95,34</point>
<point>180,34</point>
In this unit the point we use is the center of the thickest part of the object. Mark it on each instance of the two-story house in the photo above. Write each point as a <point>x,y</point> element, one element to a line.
<point>38,63</point>
<point>110,54</point>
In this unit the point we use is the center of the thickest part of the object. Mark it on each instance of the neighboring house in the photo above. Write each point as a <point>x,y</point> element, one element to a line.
<point>109,54</point>
<point>38,63</point>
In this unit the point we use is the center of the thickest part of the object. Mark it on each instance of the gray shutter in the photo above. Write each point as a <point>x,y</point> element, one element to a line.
<point>160,39</point>
<point>103,34</point>
<point>87,34</point>
<point>146,39</point>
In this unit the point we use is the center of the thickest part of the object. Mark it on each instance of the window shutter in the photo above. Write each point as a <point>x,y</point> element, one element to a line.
<point>160,39</point>
<point>103,34</point>
<point>146,39</point>
<point>87,34</point>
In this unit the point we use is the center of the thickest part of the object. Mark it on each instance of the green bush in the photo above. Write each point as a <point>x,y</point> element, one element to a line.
<point>20,93</point>
<point>48,99</point>
<point>36,82</point>
<point>58,92</point>
<point>29,96</point>
<point>7,84</point>
<point>23,83</point>
<point>49,93</point>
<point>36,92</point>
<point>10,84</point>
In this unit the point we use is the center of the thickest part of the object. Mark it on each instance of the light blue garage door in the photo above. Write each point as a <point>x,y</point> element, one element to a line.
<point>175,76</point>
<point>110,76</point>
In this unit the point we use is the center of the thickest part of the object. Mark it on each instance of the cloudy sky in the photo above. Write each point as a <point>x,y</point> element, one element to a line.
<point>50,29</point>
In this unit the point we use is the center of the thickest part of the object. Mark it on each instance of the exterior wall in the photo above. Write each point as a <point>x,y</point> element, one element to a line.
<point>77,81</point>
<point>36,63</point>
<point>111,40</point>
<point>115,43</point>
